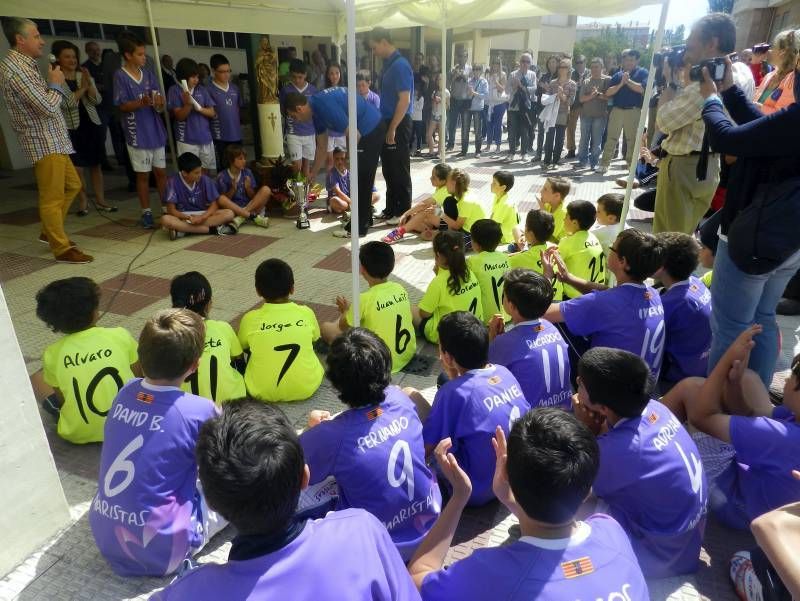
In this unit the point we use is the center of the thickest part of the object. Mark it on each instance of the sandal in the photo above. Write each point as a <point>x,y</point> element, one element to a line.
<point>82,212</point>
<point>106,208</point>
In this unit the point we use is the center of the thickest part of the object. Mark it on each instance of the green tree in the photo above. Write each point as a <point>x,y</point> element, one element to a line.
<point>720,6</point>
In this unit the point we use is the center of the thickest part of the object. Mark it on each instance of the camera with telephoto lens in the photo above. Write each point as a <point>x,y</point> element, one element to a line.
<point>673,57</point>
<point>715,66</point>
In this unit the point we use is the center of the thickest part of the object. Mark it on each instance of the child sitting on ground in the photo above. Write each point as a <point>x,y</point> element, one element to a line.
<point>338,184</point>
<point>708,237</point>
<point>489,266</point>
<point>88,365</point>
<point>424,217</point>
<point>542,476</point>
<point>504,211</point>
<point>252,471</point>
<point>551,200</point>
<point>280,337</point>
<point>148,514</point>
<point>454,287</point>
<point>539,226</point>
<point>384,309</point>
<point>478,398</point>
<point>239,191</point>
<point>609,213</point>
<point>193,204</point>
<point>579,249</point>
<point>192,110</point>
<point>215,377</point>
<point>374,449</point>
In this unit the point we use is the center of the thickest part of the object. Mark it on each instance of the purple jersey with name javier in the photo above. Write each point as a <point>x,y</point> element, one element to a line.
<point>596,562</point>
<point>295,126</point>
<point>195,198</point>
<point>537,355</point>
<point>377,456</point>
<point>226,125</point>
<point>143,127</point>
<point>347,554</point>
<point>687,321</point>
<point>225,181</point>
<point>468,410</point>
<point>655,487</point>
<point>629,317</point>
<point>196,128</point>
<point>146,517</point>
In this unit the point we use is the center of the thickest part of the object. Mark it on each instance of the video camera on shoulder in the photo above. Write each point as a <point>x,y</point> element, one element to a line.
<point>673,57</point>
<point>715,66</point>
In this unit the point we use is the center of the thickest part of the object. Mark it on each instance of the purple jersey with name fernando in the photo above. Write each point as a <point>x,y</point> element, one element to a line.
<point>226,126</point>
<point>225,181</point>
<point>143,127</point>
<point>687,321</point>
<point>146,517</point>
<point>196,128</point>
<point>190,198</point>
<point>295,126</point>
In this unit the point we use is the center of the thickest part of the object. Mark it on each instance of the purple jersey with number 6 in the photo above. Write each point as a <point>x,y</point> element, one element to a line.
<point>196,197</point>
<point>196,128</point>
<point>654,485</point>
<point>377,457</point>
<point>143,127</point>
<point>145,517</point>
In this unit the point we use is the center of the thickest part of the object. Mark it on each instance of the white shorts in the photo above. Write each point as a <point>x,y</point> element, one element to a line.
<point>300,147</point>
<point>205,152</point>
<point>334,141</point>
<point>144,159</point>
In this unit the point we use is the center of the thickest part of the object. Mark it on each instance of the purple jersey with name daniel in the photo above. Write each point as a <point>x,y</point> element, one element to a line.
<point>226,125</point>
<point>629,317</point>
<point>190,198</point>
<point>655,487</point>
<point>225,181</point>
<point>537,355</point>
<point>377,456</point>
<point>143,127</point>
<point>687,321</point>
<point>468,410</point>
<point>294,126</point>
<point>345,555</point>
<point>196,128</point>
<point>146,517</point>
<point>596,562</point>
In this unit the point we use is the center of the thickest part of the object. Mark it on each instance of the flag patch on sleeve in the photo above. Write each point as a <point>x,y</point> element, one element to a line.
<point>145,397</point>
<point>577,567</point>
<point>374,414</point>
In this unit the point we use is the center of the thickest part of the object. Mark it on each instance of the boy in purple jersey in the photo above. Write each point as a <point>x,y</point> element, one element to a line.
<point>239,191</point>
<point>252,471</point>
<point>533,349</point>
<point>651,479</point>
<point>192,108</point>
<point>226,128</point>
<point>148,514</point>
<point>478,398</point>
<point>338,184</point>
<point>542,476</point>
<point>373,450</point>
<point>301,144</point>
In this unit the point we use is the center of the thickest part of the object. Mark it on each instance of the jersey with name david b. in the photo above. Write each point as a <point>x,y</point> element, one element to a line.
<point>532,259</point>
<point>468,409</point>
<point>490,268</point>
<point>89,368</point>
<point>282,364</point>
<point>535,352</point>
<point>583,255</point>
<point>377,457</point>
<point>386,310</point>
<point>629,317</point>
<point>216,378</point>
<point>595,563</point>
<point>146,517</point>
<point>654,484</point>
<point>687,321</point>
<point>439,301</point>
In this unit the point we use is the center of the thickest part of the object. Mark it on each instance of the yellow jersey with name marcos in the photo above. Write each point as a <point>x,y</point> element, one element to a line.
<point>490,269</point>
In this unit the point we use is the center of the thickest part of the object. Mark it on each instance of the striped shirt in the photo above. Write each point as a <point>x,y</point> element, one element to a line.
<point>682,121</point>
<point>34,107</point>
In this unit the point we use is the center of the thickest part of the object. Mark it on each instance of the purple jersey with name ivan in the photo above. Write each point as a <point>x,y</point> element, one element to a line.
<point>226,125</point>
<point>143,127</point>
<point>687,321</point>
<point>146,517</point>
<point>655,487</point>
<point>225,181</point>
<point>190,198</point>
<point>377,457</point>
<point>196,128</point>
<point>468,410</point>
<point>629,317</point>
<point>294,126</point>
<point>537,355</point>
<point>596,562</point>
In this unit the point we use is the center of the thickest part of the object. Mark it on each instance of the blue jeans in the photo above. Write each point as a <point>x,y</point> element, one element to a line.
<point>740,299</point>
<point>591,145</point>
<point>495,131</point>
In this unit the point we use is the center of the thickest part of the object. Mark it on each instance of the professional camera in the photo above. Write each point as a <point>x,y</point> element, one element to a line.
<point>761,48</point>
<point>673,57</point>
<point>715,66</point>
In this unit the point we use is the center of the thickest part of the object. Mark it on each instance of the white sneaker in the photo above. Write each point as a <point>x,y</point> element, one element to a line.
<point>237,222</point>
<point>393,221</point>
<point>524,157</point>
<point>261,220</point>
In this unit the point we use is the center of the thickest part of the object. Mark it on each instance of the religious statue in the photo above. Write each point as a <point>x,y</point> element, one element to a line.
<point>267,72</point>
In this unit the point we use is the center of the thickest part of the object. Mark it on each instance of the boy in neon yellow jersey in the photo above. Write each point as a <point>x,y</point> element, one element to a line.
<point>579,248</point>
<point>504,211</point>
<point>384,308</point>
<point>489,266</point>
<point>280,337</point>
<point>552,200</point>
<point>539,226</point>
<point>423,217</point>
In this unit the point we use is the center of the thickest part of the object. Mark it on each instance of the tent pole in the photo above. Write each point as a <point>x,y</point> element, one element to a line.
<point>353,144</point>
<point>648,94</point>
<point>160,76</point>
<point>443,87</point>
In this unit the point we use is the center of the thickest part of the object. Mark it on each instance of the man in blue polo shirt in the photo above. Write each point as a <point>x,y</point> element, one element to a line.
<point>397,89</point>
<point>328,111</point>
<point>627,90</point>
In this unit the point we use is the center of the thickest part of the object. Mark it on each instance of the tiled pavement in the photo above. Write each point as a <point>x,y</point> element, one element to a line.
<point>69,567</point>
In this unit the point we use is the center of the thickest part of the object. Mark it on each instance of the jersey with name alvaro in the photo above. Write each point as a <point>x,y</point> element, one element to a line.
<point>216,378</point>
<point>377,456</point>
<point>468,410</point>
<point>595,563</point>
<point>490,269</point>
<point>145,516</point>
<point>535,352</point>
<point>653,481</point>
<point>687,318</point>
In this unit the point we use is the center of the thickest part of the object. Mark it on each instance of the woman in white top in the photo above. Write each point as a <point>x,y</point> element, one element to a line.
<point>497,103</point>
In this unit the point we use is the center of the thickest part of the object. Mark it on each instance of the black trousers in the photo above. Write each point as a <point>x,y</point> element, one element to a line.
<point>518,131</point>
<point>396,168</point>
<point>369,151</point>
<point>475,117</point>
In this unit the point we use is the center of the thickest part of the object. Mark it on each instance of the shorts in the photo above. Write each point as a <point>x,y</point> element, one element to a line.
<point>334,141</point>
<point>144,159</point>
<point>205,152</point>
<point>300,147</point>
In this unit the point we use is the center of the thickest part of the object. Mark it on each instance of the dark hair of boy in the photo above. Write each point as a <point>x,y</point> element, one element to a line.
<point>191,291</point>
<point>583,212</point>
<point>681,254</point>
<point>643,252</point>
<point>297,66</point>
<point>251,466</point>
<point>377,259</point>
<point>530,292</point>
<point>217,60</point>
<point>612,204</point>
<point>560,185</point>
<point>461,180</point>
<point>541,224</point>
<point>464,337</point>
<point>186,68</point>
<point>378,34</point>
<point>442,170</point>
<point>170,342</point>
<point>363,75</point>
<point>552,462</point>
<point>60,45</point>
<point>68,305</point>
<point>359,367</point>
<point>504,178</point>
<point>631,52</point>
<point>487,233</point>
<point>127,43</point>
<point>188,162</point>
<point>274,280</point>
<point>616,379</point>
<point>450,245</point>
<point>233,152</point>
<point>293,101</point>
<point>337,150</point>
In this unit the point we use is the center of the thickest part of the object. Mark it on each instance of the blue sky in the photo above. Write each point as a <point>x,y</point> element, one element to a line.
<point>683,12</point>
